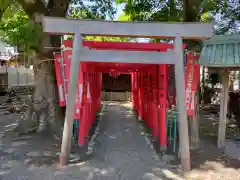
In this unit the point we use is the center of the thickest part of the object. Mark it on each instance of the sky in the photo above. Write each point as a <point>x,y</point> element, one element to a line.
<point>119,10</point>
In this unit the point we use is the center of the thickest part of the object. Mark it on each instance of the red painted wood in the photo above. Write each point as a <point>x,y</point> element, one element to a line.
<point>149,86</point>
<point>163,105</point>
<point>59,78</point>
<point>124,45</point>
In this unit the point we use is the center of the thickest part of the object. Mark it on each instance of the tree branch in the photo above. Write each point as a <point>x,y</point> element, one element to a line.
<point>59,7</point>
<point>50,5</point>
<point>32,7</point>
<point>191,10</point>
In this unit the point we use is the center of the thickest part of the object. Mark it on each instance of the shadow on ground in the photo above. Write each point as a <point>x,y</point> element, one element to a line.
<point>119,153</point>
<point>208,161</point>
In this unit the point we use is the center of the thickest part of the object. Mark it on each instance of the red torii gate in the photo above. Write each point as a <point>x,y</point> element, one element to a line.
<point>156,118</point>
<point>176,31</point>
<point>162,70</point>
<point>126,46</point>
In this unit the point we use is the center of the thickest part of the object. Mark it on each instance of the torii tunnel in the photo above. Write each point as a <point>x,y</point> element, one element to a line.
<point>153,92</point>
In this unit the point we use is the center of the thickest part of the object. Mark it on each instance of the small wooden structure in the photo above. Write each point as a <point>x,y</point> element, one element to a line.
<point>222,54</point>
<point>116,88</point>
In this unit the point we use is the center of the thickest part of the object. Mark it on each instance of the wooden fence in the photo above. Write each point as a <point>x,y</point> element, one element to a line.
<point>15,76</point>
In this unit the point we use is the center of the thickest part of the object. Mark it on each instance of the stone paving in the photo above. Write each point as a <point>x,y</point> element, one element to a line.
<point>232,149</point>
<point>121,152</point>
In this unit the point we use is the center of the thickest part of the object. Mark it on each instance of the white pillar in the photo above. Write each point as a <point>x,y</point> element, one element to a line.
<point>71,99</point>
<point>223,110</point>
<point>181,106</point>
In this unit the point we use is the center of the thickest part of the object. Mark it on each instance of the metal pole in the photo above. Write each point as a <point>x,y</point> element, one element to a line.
<point>180,89</point>
<point>71,99</point>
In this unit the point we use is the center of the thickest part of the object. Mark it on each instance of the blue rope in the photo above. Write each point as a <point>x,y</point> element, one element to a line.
<point>173,117</point>
<point>175,133</point>
<point>75,130</point>
<point>170,127</point>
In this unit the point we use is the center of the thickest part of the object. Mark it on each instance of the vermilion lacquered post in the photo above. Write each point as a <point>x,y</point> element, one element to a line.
<point>140,109</point>
<point>162,106</point>
<point>133,89</point>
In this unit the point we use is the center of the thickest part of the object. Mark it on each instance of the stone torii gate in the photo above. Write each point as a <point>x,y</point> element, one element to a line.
<point>80,28</point>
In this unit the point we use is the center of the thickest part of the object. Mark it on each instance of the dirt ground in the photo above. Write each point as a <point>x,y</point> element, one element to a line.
<point>36,156</point>
<point>209,162</point>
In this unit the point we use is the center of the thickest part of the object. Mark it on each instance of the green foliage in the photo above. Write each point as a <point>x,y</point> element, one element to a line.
<point>152,10</point>
<point>107,39</point>
<point>93,9</point>
<point>122,1</point>
<point>229,17</point>
<point>161,10</point>
<point>124,17</point>
<point>4,4</point>
<point>84,13</point>
<point>18,30</point>
<point>207,17</point>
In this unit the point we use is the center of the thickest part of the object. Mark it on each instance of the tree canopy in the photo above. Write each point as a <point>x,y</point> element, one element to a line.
<point>20,26</point>
<point>19,30</point>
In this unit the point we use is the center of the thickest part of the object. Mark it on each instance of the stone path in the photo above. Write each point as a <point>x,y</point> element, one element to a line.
<point>121,153</point>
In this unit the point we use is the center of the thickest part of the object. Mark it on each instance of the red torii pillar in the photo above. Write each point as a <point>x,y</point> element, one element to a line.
<point>142,47</point>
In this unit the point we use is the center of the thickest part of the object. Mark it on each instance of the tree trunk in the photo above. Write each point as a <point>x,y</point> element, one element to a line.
<point>232,78</point>
<point>194,124</point>
<point>44,113</point>
<point>202,84</point>
<point>191,10</point>
<point>238,72</point>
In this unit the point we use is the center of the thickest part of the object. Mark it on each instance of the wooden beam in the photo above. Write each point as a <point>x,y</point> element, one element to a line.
<point>134,46</point>
<point>71,100</point>
<point>181,105</point>
<point>223,110</point>
<point>56,25</point>
<point>117,56</point>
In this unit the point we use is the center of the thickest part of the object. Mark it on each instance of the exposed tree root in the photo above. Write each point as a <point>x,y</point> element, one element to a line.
<point>43,112</point>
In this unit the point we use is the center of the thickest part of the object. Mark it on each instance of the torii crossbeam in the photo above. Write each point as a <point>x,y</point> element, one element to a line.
<point>176,31</point>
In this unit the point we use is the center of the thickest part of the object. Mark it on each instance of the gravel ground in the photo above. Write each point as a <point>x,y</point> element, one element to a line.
<point>121,152</point>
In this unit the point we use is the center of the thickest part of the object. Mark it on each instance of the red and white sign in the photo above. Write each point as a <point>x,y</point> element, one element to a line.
<point>59,78</point>
<point>191,82</point>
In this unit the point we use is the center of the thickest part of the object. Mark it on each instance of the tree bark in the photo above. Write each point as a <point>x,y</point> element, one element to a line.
<point>191,13</point>
<point>238,72</point>
<point>194,124</point>
<point>231,79</point>
<point>44,112</point>
<point>191,9</point>
<point>202,85</point>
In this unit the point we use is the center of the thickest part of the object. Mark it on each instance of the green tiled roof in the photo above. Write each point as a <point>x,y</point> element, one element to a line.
<point>221,51</point>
